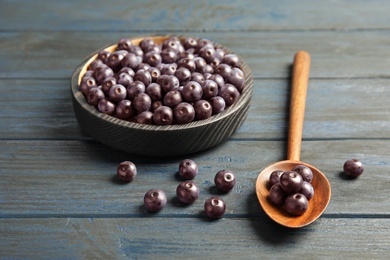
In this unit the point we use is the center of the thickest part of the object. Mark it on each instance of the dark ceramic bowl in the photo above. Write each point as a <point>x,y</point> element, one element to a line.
<point>153,140</point>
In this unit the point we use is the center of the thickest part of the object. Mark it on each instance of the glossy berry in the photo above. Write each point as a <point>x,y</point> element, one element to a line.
<point>134,89</point>
<point>210,89</point>
<point>106,107</point>
<point>163,115</point>
<point>217,104</point>
<point>115,58</point>
<point>214,207</point>
<point>154,91</point>
<point>188,169</point>
<point>307,190</point>
<point>183,74</point>
<point>277,195</point>
<point>275,177</point>
<point>203,109</point>
<point>353,168</point>
<point>223,70</point>
<point>102,72</point>
<point>225,180</point>
<point>142,102</point>
<point>124,109</point>
<point>131,60</point>
<point>126,171</point>
<point>124,44</point>
<point>168,82</point>
<point>155,200</point>
<point>232,59</point>
<point>145,117</point>
<point>117,93</point>
<point>187,192</point>
<point>184,113</point>
<point>125,79</point>
<point>236,78</point>
<point>94,95</point>
<point>143,76</point>
<point>296,204</point>
<point>86,84</point>
<point>230,94</point>
<point>305,172</point>
<point>108,83</point>
<point>153,58</point>
<point>291,181</point>
<point>155,73</point>
<point>192,92</point>
<point>172,98</point>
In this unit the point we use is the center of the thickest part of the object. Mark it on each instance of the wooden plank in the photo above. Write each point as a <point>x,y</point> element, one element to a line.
<point>77,178</point>
<point>42,109</point>
<point>190,238</point>
<point>196,16</point>
<point>335,54</point>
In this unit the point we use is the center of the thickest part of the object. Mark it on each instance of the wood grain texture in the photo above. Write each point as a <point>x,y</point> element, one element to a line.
<point>37,178</point>
<point>250,15</point>
<point>58,196</point>
<point>335,54</point>
<point>136,238</point>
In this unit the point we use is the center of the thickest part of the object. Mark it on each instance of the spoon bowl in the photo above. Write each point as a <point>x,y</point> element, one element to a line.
<point>322,190</point>
<point>317,204</point>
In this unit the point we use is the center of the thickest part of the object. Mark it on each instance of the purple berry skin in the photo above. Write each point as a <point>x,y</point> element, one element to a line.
<point>155,200</point>
<point>353,168</point>
<point>218,104</point>
<point>277,195</point>
<point>134,89</point>
<point>94,95</point>
<point>163,115</point>
<point>203,109</point>
<point>184,113</point>
<point>124,44</point>
<point>237,79</point>
<point>305,172</point>
<point>145,117</point>
<point>126,171</point>
<point>296,204</point>
<point>188,169</point>
<point>210,89</point>
<point>229,93</point>
<point>192,92</point>
<point>87,83</point>
<point>142,102</point>
<point>124,109</point>
<point>215,207</point>
<point>307,190</point>
<point>172,98</point>
<point>291,181</point>
<point>275,177</point>
<point>106,107</point>
<point>187,192</point>
<point>117,93</point>
<point>225,180</point>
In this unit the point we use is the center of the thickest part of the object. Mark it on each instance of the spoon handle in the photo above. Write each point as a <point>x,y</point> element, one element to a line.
<point>300,78</point>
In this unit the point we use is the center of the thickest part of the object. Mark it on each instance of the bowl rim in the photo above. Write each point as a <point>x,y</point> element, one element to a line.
<point>80,98</point>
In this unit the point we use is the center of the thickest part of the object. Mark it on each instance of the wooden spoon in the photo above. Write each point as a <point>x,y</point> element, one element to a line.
<point>322,191</point>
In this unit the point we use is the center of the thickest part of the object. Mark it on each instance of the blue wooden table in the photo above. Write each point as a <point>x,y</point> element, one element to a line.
<point>58,195</point>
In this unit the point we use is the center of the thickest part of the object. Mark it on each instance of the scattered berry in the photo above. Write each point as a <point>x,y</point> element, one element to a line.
<point>214,207</point>
<point>353,168</point>
<point>188,169</point>
<point>126,171</point>
<point>224,180</point>
<point>155,200</point>
<point>187,192</point>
